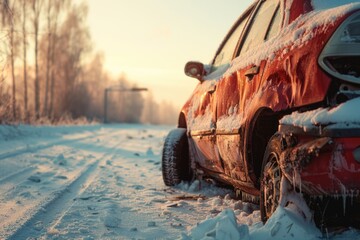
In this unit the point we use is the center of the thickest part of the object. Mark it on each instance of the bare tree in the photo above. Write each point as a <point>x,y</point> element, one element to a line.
<point>36,7</point>
<point>10,19</point>
<point>96,80</point>
<point>11,22</point>
<point>48,56</point>
<point>4,95</point>
<point>59,6</point>
<point>24,13</point>
<point>4,11</point>
<point>74,42</point>
<point>67,85</point>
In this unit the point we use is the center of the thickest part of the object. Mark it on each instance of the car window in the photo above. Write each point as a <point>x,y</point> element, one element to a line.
<point>227,51</point>
<point>275,26</point>
<point>260,24</point>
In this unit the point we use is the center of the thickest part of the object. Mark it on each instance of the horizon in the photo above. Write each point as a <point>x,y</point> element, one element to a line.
<point>155,56</point>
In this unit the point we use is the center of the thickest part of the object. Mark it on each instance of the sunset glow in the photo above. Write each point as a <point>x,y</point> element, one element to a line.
<point>150,41</point>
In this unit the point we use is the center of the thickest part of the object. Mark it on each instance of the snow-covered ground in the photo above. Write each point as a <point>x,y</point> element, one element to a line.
<point>104,182</point>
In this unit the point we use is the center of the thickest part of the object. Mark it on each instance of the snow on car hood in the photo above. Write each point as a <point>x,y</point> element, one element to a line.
<point>343,116</point>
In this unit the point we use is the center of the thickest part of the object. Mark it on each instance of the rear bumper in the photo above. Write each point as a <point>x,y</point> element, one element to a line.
<point>323,163</point>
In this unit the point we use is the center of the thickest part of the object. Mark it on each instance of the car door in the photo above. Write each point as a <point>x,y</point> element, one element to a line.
<point>204,107</point>
<point>201,126</point>
<point>234,91</point>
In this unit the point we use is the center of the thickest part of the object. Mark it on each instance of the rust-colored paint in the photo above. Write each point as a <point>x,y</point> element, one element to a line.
<point>206,146</point>
<point>227,94</point>
<point>289,81</point>
<point>234,165</point>
<point>326,165</point>
<point>298,8</point>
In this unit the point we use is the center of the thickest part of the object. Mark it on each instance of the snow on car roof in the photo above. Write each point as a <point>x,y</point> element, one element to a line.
<point>296,34</point>
<point>325,4</point>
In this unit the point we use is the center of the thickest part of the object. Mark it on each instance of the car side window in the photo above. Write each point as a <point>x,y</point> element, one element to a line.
<point>259,29</point>
<point>227,51</point>
<point>275,25</point>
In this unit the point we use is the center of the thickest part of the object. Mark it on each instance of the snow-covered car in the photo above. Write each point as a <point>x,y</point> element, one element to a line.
<point>278,109</point>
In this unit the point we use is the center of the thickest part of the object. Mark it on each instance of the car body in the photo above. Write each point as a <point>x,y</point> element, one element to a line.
<point>248,122</point>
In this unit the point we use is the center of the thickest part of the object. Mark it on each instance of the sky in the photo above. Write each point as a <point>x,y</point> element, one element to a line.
<point>150,41</point>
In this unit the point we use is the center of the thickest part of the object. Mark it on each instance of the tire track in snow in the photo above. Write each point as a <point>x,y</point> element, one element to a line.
<point>55,209</point>
<point>24,216</point>
<point>42,146</point>
<point>11,181</point>
<point>18,179</point>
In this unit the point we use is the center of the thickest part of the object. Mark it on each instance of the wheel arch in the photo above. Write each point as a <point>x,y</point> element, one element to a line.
<point>182,121</point>
<point>262,126</point>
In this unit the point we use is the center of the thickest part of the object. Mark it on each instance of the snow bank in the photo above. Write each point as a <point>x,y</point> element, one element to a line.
<point>345,115</point>
<point>283,224</point>
<point>223,226</point>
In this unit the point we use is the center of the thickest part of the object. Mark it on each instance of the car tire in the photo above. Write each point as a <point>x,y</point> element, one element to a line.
<point>270,185</point>
<point>176,166</point>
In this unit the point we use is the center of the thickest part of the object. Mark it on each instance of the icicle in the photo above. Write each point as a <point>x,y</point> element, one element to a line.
<point>298,180</point>
<point>284,187</point>
<point>293,179</point>
<point>343,193</point>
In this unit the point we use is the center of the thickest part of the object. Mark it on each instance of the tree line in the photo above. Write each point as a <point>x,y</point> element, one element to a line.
<point>51,72</point>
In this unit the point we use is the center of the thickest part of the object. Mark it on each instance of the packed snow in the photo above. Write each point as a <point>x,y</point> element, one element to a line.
<point>202,122</point>
<point>232,120</point>
<point>104,182</point>
<point>342,116</point>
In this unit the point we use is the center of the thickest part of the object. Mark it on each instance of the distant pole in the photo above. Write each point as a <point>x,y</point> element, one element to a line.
<point>105,104</point>
<point>119,89</point>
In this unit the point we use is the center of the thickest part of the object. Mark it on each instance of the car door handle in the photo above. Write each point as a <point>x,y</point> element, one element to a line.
<point>250,73</point>
<point>212,89</point>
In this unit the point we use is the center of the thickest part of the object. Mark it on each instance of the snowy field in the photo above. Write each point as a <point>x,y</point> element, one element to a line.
<point>104,182</point>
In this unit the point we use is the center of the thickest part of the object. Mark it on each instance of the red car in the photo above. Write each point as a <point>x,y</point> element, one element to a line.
<point>278,104</point>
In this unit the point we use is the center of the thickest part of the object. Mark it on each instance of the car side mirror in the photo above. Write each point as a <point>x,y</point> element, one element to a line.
<point>195,70</point>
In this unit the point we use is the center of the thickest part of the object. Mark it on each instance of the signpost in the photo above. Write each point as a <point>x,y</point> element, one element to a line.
<point>118,89</point>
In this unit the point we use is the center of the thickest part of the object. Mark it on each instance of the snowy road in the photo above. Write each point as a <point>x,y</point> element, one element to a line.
<point>104,182</point>
<point>87,182</point>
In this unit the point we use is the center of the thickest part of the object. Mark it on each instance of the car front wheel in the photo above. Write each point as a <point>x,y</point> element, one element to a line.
<point>176,165</point>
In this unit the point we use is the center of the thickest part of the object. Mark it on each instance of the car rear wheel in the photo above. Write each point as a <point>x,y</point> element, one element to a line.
<point>270,179</point>
<point>176,165</point>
